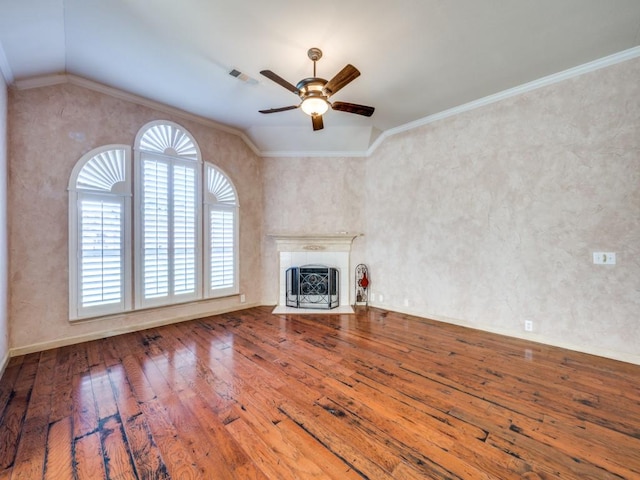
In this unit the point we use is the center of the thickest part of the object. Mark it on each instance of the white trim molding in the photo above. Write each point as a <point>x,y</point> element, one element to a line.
<point>309,242</point>
<point>512,92</point>
<point>528,336</point>
<point>588,67</point>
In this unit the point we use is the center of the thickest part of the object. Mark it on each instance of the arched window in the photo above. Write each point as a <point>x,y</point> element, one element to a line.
<point>184,229</point>
<point>168,216</point>
<point>99,232</point>
<point>221,220</point>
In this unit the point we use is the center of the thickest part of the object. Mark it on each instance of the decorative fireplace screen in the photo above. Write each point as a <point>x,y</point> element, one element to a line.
<point>313,286</point>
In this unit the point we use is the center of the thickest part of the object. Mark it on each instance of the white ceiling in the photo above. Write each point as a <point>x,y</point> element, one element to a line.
<point>417,57</point>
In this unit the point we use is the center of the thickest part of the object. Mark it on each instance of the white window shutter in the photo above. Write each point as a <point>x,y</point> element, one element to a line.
<point>155,228</point>
<point>222,234</point>
<point>169,217</point>
<point>222,252</point>
<point>101,252</point>
<point>184,229</point>
<point>99,226</point>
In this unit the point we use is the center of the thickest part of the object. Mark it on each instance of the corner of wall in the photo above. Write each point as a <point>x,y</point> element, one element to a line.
<point>4,284</point>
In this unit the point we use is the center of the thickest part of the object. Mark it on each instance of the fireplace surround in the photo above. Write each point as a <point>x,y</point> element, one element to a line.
<point>333,250</point>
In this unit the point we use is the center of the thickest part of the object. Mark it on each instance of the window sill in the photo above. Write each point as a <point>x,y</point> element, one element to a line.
<point>178,308</point>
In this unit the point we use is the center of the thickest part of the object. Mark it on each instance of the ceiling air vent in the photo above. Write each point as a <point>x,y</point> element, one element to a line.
<point>243,77</point>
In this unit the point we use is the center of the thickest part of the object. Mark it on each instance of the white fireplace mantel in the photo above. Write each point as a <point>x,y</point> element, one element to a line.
<point>309,242</point>
<point>334,250</point>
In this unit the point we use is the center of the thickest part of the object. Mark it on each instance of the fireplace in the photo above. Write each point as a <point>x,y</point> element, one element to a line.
<point>313,286</point>
<point>333,250</point>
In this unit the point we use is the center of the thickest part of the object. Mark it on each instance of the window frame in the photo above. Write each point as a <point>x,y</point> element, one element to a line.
<point>121,192</point>
<point>222,197</point>
<point>171,298</point>
<point>227,204</point>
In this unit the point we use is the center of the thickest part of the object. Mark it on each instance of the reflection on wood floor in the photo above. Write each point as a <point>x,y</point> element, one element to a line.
<point>250,395</point>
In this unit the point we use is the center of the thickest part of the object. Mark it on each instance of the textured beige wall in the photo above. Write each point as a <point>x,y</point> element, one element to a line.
<point>490,218</point>
<point>4,274</point>
<point>51,128</point>
<point>486,219</point>
<point>310,195</point>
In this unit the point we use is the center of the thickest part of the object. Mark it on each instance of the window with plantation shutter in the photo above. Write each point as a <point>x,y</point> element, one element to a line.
<point>169,218</point>
<point>99,257</point>
<point>221,225</point>
<point>157,231</point>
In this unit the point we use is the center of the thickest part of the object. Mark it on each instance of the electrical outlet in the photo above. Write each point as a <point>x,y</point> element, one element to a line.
<point>604,258</point>
<point>406,302</point>
<point>380,298</point>
<point>528,325</point>
<point>243,299</point>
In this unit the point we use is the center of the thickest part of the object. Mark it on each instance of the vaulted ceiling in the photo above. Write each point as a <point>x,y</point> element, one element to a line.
<point>416,57</point>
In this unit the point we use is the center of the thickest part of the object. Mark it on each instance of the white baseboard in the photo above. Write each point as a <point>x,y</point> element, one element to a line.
<point>63,342</point>
<point>38,347</point>
<point>533,337</point>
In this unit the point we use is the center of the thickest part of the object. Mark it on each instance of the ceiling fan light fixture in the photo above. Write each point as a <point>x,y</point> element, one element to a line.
<point>314,106</point>
<point>314,92</point>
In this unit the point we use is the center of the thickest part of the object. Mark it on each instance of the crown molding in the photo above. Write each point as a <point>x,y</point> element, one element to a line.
<point>57,79</point>
<point>552,79</point>
<point>60,78</point>
<point>515,91</point>
<point>313,154</point>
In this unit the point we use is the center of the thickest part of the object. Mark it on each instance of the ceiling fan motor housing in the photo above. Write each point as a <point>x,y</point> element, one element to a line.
<point>314,101</point>
<point>311,87</point>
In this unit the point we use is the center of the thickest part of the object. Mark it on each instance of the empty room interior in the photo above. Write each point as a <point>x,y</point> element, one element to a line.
<point>364,239</point>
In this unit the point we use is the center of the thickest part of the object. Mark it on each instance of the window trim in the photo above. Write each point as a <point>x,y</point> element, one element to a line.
<point>225,189</point>
<point>120,191</point>
<point>128,192</point>
<point>171,298</point>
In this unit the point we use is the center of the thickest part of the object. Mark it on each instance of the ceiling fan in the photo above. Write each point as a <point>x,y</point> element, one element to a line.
<point>315,92</point>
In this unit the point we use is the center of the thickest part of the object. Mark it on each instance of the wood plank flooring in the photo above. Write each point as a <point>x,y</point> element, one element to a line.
<point>251,395</point>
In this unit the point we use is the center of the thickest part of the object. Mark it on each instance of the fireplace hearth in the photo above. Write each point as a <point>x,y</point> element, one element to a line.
<point>313,286</point>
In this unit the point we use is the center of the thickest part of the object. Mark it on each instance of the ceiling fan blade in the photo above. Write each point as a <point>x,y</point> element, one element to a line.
<point>353,108</point>
<point>281,109</point>
<point>280,81</point>
<point>343,78</point>
<point>317,122</point>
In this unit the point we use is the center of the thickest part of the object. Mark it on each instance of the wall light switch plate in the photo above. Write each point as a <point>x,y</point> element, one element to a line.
<point>604,258</point>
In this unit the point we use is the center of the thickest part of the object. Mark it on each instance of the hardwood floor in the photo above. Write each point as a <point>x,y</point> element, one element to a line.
<point>250,395</point>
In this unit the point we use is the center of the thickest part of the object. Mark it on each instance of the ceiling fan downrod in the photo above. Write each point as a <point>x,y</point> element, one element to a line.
<point>314,54</point>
